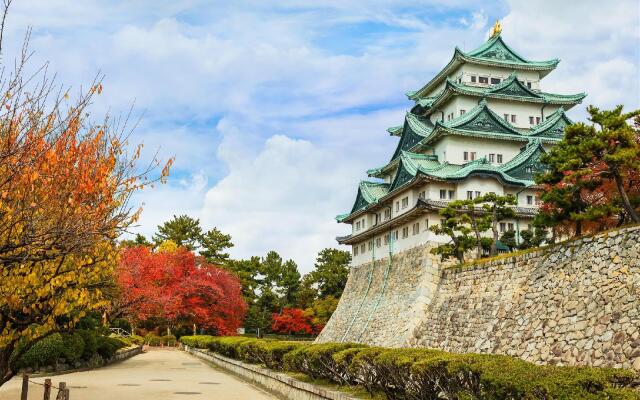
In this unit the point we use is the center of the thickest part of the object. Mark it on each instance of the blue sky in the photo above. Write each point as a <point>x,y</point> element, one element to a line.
<point>274,110</point>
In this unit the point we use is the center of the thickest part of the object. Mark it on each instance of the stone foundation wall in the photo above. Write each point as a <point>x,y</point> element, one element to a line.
<point>384,302</point>
<point>577,303</point>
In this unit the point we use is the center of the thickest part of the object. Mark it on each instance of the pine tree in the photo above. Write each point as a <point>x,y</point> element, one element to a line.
<point>183,231</point>
<point>213,244</point>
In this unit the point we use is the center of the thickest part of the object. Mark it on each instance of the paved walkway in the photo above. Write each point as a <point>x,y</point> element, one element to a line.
<point>154,375</point>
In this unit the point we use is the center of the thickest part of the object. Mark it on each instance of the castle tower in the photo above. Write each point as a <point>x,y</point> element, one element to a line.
<point>479,126</point>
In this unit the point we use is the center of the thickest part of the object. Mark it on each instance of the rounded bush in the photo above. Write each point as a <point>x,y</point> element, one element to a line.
<point>73,347</point>
<point>42,353</point>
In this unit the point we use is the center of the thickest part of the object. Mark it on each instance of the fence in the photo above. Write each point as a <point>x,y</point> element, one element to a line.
<point>63,390</point>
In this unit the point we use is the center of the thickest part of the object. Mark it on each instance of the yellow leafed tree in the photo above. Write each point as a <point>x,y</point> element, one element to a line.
<point>65,185</point>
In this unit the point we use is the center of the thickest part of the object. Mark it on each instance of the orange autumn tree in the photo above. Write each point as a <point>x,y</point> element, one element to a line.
<point>65,185</point>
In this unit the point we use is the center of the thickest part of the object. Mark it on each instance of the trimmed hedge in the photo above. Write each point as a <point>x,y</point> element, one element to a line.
<point>426,373</point>
<point>70,347</point>
<point>154,340</point>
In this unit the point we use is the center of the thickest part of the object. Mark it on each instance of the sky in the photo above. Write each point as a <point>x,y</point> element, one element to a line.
<point>274,110</point>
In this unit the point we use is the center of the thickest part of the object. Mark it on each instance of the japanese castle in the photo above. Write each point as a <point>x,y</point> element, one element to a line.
<point>479,126</point>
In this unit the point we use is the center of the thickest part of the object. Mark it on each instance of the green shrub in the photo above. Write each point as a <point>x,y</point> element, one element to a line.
<point>317,360</point>
<point>168,340</point>
<point>106,347</point>
<point>426,373</point>
<point>42,353</point>
<point>73,347</point>
<point>152,339</point>
<point>135,339</point>
<point>90,343</point>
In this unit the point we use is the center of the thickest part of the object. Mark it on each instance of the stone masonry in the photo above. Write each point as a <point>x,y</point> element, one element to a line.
<point>384,302</point>
<point>576,303</point>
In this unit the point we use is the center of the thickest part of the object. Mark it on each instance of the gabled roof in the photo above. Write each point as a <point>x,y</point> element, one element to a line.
<point>509,89</point>
<point>368,193</point>
<point>414,130</point>
<point>493,52</point>
<point>553,125</point>
<point>480,119</point>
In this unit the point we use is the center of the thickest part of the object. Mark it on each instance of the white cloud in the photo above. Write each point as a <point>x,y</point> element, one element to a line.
<point>271,121</point>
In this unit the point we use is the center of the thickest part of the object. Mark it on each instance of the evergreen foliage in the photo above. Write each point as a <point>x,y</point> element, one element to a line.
<point>425,373</point>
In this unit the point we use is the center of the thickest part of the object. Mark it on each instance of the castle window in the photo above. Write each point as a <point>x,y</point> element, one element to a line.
<point>387,213</point>
<point>426,224</point>
<point>463,112</point>
<point>451,194</point>
<point>465,156</point>
<point>513,118</point>
<point>477,194</point>
<point>363,223</point>
<point>386,239</point>
<point>499,158</point>
<point>529,200</point>
<point>357,225</point>
<point>506,117</point>
<point>416,228</point>
<point>537,120</point>
<point>529,169</point>
<point>370,245</point>
<point>469,195</point>
<point>378,242</point>
<point>405,202</point>
<point>395,235</point>
<point>473,79</point>
<point>529,85</point>
<point>510,224</point>
<point>503,227</point>
<point>405,232</point>
<point>531,120</point>
<point>443,194</point>
<point>483,79</point>
<point>495,81</point>
<point>378,218</point>
<point>473,155</point>
<point>492,157</point>
<point>355,250</point>
<point>422,195</point>
<point>397,206</point>
<point>362,248</point>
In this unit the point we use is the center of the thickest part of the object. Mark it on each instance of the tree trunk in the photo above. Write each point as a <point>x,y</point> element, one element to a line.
<point>478,242</point>
<point>494,228</point>
<point>6,371</point>
<point>578,227</point>
<point>625,199</point>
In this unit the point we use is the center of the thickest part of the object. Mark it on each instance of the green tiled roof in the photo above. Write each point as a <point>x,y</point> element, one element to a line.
<point>509,89</point>
<point>553,125</point>
<point>414,131</point>
<point>395,130</point>
<point>368,193</point>
<point>518,171</point>
<point>494,52</point>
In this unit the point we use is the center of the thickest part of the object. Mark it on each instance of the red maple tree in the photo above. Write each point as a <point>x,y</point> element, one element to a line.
<point>292,320</point>
<point>180,288</point>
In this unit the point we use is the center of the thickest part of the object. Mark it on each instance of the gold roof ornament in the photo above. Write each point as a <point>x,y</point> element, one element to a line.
<point>496,29</point>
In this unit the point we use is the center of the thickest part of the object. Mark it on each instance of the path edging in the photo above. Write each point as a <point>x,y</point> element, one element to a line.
<point>276,382</point>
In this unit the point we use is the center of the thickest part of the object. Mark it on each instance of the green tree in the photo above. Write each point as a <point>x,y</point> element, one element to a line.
<point>533,237</point>
<point>456,225</point>
<point>138,240</point>
<point>182,230</point>
<point>214,243</point>
<point>331,272</point>
<point>498,208</point>
<point>508,238</point>
<point>615,145</point>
